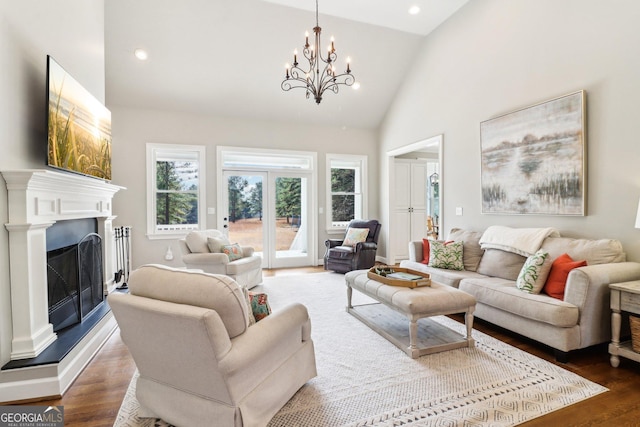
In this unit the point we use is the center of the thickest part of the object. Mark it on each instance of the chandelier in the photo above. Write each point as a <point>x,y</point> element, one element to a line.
<point>314,80</point>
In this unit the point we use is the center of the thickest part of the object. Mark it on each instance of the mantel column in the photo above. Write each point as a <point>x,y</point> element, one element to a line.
<point>32,331</point>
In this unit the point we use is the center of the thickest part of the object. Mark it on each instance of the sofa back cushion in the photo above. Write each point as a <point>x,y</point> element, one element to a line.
<point>499,263</point>
<point>601,251</point>
<point>215,292</point>
<point>472,252</point>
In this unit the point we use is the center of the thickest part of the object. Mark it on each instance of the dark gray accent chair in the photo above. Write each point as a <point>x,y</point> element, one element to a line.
<point>343,259</point>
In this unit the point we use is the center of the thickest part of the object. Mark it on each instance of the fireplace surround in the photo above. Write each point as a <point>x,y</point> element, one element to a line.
<point>36,200</point>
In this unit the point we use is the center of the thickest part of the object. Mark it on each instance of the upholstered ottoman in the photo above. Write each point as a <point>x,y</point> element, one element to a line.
<point>413,304</point>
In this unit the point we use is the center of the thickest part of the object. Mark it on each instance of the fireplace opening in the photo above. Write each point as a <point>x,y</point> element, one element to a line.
<point>74,271</point>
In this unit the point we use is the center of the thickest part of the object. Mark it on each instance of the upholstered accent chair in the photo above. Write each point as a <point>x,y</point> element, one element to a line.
<point>205,250</point>
<point>201,361</point>
<point>356,251</point>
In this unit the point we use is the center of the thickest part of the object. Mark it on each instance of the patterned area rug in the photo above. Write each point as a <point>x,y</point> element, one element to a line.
<point>364,380</point>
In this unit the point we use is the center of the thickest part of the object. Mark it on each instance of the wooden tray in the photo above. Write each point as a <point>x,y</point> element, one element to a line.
<point>425,281</point>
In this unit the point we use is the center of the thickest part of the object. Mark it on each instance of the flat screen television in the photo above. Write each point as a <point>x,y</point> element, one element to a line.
<point>79,126</point>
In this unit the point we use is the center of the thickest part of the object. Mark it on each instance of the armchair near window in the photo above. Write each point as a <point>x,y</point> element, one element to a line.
<point>356,251</point>
<point>201,362</point>
<point>204,250</point>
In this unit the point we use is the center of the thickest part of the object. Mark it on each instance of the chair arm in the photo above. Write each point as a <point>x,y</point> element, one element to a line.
<point>366,246</point>
<point>264,346</point>
<point>332,243</point>
<point>247,251</point>
<point>205,258</point>
<point>415,251</point>
<point>588,289</point>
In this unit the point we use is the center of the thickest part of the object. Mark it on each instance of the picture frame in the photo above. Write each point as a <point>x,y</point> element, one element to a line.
<point>533,160</point>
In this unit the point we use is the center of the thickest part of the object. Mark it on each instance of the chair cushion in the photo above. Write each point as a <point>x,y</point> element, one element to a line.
<point>233,251</point>
<point>259,305</point>
<point>215,244</point>
<point>355,235</point>
<point>341,252</point>
<point>197,242</point>
<point>371,224</point>
<point>216,292</point>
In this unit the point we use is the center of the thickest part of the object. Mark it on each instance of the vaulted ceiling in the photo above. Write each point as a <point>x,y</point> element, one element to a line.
<point>226,57</point>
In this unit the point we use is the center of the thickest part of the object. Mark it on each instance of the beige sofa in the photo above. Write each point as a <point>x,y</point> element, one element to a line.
<point>580,320</point>
<point>200,361</point>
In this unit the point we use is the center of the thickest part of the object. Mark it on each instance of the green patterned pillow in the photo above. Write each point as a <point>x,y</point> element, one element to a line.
<point>534,272</point>
<point>446,255</point>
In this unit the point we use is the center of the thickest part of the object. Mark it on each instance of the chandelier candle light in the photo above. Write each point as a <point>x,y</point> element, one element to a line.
<point>314,80</point>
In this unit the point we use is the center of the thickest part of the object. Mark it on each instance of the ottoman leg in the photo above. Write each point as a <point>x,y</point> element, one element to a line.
<point>413,339</point>
<point>468,321</point>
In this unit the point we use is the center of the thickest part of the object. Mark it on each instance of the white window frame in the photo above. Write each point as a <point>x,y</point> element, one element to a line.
<point>359,163</point>
<point>179,152</point>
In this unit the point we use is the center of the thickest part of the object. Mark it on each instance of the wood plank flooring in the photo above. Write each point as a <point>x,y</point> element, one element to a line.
<point>95,397</point>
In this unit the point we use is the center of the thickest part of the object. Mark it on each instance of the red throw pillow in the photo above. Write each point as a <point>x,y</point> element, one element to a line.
<point>425,251</point>
<point>557,279</point>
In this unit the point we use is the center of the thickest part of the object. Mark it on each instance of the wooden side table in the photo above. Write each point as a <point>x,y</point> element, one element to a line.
<point>625,296</point>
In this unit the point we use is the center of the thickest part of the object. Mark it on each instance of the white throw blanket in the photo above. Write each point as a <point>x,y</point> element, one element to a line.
<point>522,241</point>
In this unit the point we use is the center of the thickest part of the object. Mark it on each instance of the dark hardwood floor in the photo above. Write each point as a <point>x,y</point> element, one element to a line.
<point>95,397</point>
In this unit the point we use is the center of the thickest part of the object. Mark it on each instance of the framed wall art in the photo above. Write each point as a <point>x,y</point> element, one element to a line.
<point>534,159</point>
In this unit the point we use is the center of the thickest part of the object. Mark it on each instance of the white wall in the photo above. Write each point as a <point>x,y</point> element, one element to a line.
<point>72,31</point>
<point>133,128</point>
<point>496,56</point>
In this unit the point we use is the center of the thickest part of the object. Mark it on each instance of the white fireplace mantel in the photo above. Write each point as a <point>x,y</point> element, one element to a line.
<point>36,200</point>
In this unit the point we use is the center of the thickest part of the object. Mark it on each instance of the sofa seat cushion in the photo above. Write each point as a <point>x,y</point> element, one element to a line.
<point>446,277</point>
<point>503,295</point>
<point>243,265</point>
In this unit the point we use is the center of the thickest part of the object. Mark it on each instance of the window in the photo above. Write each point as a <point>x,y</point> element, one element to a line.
<point>176,188</point>
<point>346,189</point>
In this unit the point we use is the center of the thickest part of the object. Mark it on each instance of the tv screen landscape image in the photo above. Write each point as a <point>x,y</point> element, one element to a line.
<point>79,126</point>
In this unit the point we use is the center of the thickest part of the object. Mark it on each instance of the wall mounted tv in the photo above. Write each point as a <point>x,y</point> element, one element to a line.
<point>79,126</point>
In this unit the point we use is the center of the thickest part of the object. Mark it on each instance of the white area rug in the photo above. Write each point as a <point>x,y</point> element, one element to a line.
<point>364,380</point>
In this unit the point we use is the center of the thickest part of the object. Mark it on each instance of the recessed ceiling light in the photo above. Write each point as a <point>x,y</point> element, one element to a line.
<point>141,54</point>
<point>414,10</point>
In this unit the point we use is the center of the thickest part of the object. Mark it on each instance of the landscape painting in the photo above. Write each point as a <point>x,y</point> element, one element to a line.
<point>533,160</point>
<point>79,126</point>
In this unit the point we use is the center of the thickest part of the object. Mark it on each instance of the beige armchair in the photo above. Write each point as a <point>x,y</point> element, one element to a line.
<point>202,250</point>
<point>200,362</point>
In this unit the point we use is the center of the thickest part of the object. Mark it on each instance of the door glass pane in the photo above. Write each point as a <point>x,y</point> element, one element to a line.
<point>245,211</point>
<point>290,226</point>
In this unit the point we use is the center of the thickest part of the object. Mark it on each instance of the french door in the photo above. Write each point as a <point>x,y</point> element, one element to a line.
<point>270,211</point>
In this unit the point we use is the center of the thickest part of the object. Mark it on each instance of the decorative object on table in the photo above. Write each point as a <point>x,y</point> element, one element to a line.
<point>534,159</point>
<point>321,74</point>
<point>398,276</point>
